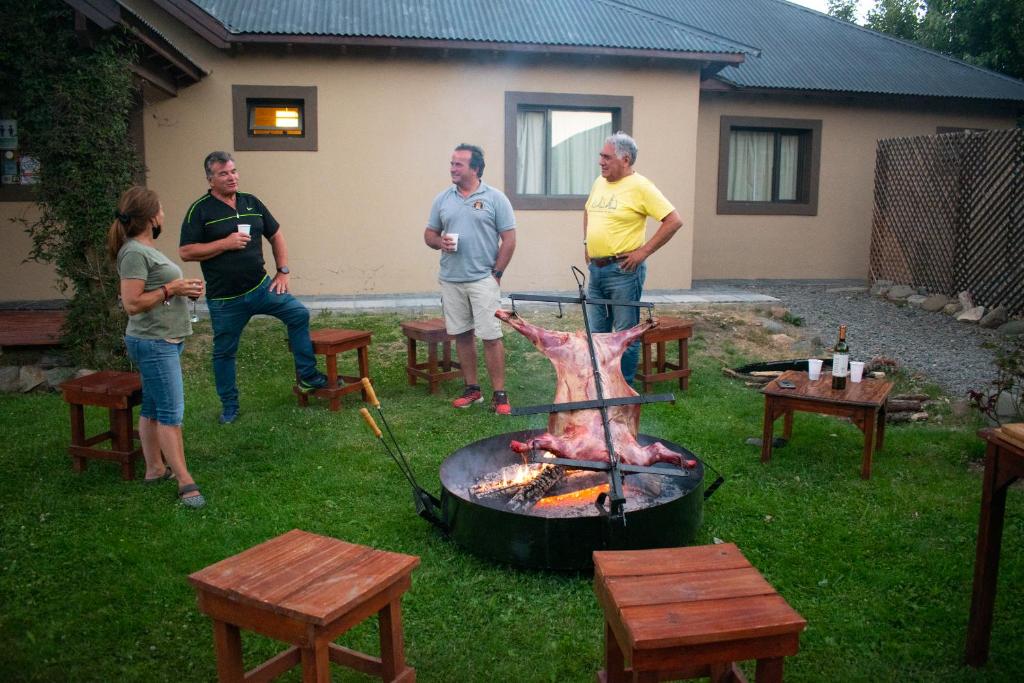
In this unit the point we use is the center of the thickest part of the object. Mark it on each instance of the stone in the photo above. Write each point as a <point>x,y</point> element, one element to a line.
<point>951,308</point>
<point>52,360</point>
<point>899,293</point>
<point>778,312</point>
<point>84,372</point>
<point>846,290</point>
<point>960,407</point>
<point>994,318</point>
<point>10,379</point>
<point>57,376</point>
<point>916,300</point>
<point>880,288</point>
<point>966,300</point>
<point>971,315</point>
<point>1007,404</point>
<point>771,326</point>
<point>1013,328</point>
<point>782,340</point>
<point>935,302</point>
<point>30,377</point>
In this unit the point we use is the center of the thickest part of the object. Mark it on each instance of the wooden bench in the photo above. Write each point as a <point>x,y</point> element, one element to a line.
<point>654,364</point>
<point>330,343</point>
<point>432,333</point>
<point>32,328</point>
<point>119,392</point>
<point>306,590</point>
<point>691,612</point>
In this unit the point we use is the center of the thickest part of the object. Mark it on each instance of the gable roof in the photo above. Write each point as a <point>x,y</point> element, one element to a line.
<point>802,49</point>
<point>758,44</point>
<point>581,26</point>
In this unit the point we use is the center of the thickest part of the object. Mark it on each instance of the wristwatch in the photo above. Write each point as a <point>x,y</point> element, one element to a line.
<point>284,270</point>
<point>497,274</point>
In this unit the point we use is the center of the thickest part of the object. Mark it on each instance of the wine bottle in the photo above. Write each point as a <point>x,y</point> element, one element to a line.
<point>840,361</point>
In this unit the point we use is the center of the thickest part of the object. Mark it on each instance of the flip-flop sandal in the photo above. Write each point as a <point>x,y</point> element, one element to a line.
<point>168,474</point>
<point>193,502</point>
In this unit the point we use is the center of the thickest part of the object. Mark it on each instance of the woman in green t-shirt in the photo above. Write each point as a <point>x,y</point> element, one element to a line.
<point>153,294</point>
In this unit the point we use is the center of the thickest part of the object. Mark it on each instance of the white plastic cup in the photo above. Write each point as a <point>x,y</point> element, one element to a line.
<point>813,369</point>
<point>455,240</point>
<point>244,229</point>
<point>856,371</point>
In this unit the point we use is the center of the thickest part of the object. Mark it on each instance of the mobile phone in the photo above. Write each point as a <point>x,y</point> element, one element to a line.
<point>786,384</point>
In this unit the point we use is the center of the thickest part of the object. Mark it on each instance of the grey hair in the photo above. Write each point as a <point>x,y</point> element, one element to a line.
<point>624,146</point>
<point>215,158</point>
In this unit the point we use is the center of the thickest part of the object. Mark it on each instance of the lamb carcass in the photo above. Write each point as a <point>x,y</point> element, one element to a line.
<point>578,434</point>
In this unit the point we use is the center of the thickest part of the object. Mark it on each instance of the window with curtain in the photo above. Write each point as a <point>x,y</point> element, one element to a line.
<point>768,166</point>
<point>552,146</point>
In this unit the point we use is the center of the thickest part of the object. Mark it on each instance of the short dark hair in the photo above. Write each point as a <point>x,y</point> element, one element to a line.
<point>215,158</point>
<point>476,158</point>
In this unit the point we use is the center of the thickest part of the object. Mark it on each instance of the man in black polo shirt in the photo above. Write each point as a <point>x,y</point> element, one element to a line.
<point>222,230</point>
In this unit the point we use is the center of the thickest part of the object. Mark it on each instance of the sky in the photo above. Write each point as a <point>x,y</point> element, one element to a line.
<point>822,6</point>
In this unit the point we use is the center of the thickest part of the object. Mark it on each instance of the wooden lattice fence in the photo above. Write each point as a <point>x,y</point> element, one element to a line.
<point>949,217</point>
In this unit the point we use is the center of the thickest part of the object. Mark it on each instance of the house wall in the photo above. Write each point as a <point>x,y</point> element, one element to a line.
<point>25,281</point>
<point>836,242</point>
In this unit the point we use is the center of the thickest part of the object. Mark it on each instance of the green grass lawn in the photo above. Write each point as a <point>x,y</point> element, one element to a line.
<point>93,569</point>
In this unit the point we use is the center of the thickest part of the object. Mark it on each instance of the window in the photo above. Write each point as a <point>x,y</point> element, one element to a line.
<point>552,142</point>
<point>18,171</point>
<point>274,118</point>
<point>768,166</point>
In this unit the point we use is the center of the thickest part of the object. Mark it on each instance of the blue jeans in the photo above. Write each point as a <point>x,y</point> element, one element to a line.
<point>611,282</point>
<point>163,394</point>
<point>229,318</point>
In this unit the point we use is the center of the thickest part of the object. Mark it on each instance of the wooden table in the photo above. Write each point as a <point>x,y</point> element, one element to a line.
<point>1004,464</point>
<point>862,402</point>
<point>654,364</point>
<point>329,343</point>
<point>307,590</point>
<point>691,612</point>
<point>118,392</point>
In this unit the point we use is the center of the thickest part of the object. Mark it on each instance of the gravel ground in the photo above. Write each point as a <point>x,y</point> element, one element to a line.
<point>935,345</point>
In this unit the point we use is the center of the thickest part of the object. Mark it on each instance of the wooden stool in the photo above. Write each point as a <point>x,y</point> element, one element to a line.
<point>307,590</point>
<point>117,391</point>
<point>433,334</point>
<point>669,329</point>
<point>330,343</point>
<point>690,612</point>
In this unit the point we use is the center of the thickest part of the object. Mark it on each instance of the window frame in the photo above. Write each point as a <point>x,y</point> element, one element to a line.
<point>621,108</point>
<point>809,166</point>
<point>242,95</point>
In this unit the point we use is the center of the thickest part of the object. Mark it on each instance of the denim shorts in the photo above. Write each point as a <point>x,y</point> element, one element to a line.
<point>159,363</point>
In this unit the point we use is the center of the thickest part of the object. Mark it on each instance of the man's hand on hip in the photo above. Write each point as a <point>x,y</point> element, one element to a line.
<point>279,285</point>
<point>633,260</point>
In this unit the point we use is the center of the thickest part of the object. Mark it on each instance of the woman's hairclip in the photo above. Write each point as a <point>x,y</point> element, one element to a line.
<point>123,217</point>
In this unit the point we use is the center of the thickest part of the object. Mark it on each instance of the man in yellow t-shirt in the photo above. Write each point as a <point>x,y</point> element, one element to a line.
<point>614,227</point>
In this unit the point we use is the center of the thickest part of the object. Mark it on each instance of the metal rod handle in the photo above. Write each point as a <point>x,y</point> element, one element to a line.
<point>371,422</point>
<point>370,393</point>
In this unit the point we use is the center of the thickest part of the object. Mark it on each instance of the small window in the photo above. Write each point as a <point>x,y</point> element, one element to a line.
<point>768,166</point>
<point>552,142</point>
<point>18,170</point>
<point>274,118</point>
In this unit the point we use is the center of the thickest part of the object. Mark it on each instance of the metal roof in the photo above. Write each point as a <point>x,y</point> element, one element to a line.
<point>802,49</point>
<point>577,23</point>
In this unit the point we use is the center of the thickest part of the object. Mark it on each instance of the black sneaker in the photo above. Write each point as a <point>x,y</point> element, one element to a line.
<point>228,416</point>
<point>317,381</point>
<point>500,404</point>
<point>470,395</point>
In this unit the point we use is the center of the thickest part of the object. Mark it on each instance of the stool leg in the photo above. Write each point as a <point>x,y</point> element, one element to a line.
<point>121,439</point>
<point>364,366</point>
<point>78,463</point>
<point>228,643</point>
<point>661,356</point>
<point>332,381</point>
<point>446,363</point>
<point>316,663</point>
<point>769,670</point>
<point>645,362</point>
<point>684,364</point>
<point>392,644</point>
<point>433,382</point>
<point>614,662</point>
<point>410,360</point>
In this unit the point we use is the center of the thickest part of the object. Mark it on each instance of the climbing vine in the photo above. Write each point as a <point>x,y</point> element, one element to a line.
<point>72,94</point>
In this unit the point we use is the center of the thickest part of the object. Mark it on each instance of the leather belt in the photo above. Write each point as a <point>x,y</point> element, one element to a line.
<point>607,260</point>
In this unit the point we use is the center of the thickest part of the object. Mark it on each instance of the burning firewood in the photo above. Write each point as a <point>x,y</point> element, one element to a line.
<point>535,489</point>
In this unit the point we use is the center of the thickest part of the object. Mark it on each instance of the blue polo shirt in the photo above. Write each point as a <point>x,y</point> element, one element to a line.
<point>478,219</point>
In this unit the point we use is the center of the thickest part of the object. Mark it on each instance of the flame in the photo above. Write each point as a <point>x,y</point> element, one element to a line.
<point>574,498</point>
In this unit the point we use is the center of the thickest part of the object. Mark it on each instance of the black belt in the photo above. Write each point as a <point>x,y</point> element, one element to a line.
<point>606,260</point>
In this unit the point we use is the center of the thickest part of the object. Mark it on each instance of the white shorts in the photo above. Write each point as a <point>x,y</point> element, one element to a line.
<point>471,306</point>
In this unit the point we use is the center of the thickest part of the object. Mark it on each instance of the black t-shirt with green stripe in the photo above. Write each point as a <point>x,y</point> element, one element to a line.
<point>234,272</point>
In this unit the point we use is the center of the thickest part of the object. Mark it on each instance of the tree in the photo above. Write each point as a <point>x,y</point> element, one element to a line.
<point>988,33</point>
<point>843,9</point>
<point>72,96</point>
<point>899,18</point>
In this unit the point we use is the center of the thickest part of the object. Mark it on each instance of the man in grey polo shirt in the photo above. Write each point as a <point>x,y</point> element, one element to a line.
<point>472,224</point>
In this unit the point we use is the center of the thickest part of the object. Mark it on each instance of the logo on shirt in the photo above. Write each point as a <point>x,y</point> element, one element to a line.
<point>608,202</point>
<point>478,205</point>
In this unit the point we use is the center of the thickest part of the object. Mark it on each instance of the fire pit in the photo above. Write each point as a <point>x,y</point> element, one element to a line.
<point>562,528</point>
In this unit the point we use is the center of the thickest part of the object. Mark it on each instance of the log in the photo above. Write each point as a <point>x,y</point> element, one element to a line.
<point>770,374</point>
<point>898,406</point>
<point>906,416</point>
<point>910,397</point>
<point>534,490</point>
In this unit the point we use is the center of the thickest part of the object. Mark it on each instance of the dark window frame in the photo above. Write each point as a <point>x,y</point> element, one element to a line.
<point>242,95</point>
<point>621,108</point>
<point>808,170</point>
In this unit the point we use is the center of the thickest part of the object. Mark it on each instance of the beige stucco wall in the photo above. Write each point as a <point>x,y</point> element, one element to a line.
<point>836,242</point>
<point>24,281</point>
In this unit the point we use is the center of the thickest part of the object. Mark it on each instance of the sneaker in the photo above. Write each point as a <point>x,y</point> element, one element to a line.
<point>228,416</point>
<point>500,404</point>
<point>317,381</point>
<point>470,395</point>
